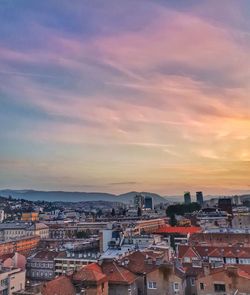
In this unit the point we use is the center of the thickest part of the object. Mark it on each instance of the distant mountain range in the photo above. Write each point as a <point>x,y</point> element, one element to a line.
<point>53,196</point>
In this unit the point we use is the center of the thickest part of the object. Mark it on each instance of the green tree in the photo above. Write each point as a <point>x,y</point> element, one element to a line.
<point>181,209</point>
<point>172,220</point>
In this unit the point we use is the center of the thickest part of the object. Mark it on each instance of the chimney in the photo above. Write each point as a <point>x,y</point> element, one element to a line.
<point>231,269</point>
<point>206,269</point>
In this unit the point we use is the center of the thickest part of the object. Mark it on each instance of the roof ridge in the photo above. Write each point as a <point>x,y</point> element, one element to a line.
<point>120,272</point>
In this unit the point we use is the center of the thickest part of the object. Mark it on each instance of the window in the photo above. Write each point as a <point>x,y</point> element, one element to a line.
<point>176,287</point>
<point>202,287</point>
<point>187,259</point>
<point>192,281</point>
<point>151,285</point>
<point>219,288</point>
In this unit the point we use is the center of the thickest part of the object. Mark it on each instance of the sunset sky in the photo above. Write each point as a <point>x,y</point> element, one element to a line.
<point>121,95</point>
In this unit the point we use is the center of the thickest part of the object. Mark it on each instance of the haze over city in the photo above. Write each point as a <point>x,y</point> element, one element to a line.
<point>116,96</point>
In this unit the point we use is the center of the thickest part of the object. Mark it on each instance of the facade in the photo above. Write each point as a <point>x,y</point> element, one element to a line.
<point>67,262</point>
<point>12,280</point>
<point>2,215</point>
<point>187,198</point>
<point>199,198</point>
<point>30,216</point>
<point>149,203</point>
<point>166,280</point>
<point>22,245</point>
<point>241,218</point>
<point>66,231</point>
<point>226,280</point>
<point>10,231</point>
<point>212,218</point>
<point>148,226</point>
<point>139,201</point>
<point>41,266</point>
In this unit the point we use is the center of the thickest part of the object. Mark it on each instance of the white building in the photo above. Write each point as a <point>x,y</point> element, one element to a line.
<point>11,280</point>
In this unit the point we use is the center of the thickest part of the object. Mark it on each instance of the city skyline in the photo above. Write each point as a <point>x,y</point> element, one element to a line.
<point>118,96</point>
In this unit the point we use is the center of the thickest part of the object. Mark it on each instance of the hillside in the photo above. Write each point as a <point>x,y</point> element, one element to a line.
<point>63,196</point>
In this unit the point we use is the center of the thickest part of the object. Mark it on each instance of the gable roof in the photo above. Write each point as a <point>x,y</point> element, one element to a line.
<point>212,251</point>
<point>59,286</point>
<point>117,274</point>
<point>137,263</point>
<point>91,273</point>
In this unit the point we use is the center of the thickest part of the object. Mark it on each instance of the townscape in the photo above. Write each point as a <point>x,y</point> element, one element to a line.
<point>124,147</point>
<point>144,247</point>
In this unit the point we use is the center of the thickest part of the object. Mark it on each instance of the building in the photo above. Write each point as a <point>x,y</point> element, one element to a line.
<point>90,280</point>
<point>214,255</point>
<point>62,285</point>
<point>148,226</point>
<point>16,230</point>
<point>221,237</point>
<point>156,276</point>
<point>199,198</point>
<point>241,218</point>
<point>139,201</point>
<point>212,218</point>
<point>225,204</point>
<point>149,203</point>
<point>224,280</point>
<point>187,198</point>
<point>178,234</point>
<point>12,280</point>
<point>30,216</point>
<point>41,266</point>
<point>67,262</point>
<point>22,245</point>
<point>121,281</point>
<point>2,215</point>
<point>40,229</point>
<point>13,260</point>
<point>66,231</point>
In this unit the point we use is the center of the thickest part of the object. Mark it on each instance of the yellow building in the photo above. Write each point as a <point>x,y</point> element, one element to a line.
<point>30,216</point>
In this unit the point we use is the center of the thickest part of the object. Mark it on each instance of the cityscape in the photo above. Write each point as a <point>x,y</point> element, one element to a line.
<point>124,147</point>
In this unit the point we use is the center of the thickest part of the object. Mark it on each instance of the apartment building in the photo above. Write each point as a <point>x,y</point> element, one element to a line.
<point>11,280</point>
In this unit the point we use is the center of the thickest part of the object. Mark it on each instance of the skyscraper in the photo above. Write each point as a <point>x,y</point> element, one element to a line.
<point>199,198</point>
<point>139,201</point>
<point>187,198</point>
<point>149,202</point>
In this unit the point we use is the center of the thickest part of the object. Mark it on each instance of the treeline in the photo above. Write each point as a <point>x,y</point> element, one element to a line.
<point>182,209</point>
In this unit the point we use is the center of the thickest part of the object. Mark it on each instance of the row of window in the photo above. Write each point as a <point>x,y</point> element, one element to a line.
<point>39,274</point>
<point>42,264</point>
<point>217,287</point>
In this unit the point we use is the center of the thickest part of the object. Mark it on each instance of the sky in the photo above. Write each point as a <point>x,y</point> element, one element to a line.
<point>115,96</point>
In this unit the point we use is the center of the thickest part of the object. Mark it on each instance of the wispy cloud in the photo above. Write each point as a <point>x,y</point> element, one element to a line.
<point>162,90</point>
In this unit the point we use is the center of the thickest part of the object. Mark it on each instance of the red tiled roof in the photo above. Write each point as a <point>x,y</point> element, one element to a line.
<point>214,251</point>
<point>59,286</point>
<point>90,273</point>
<point>239,271</point>
<point>117,274</point>
<point>136,263</point>
<point>6,256</point>
<point>179,229</point>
